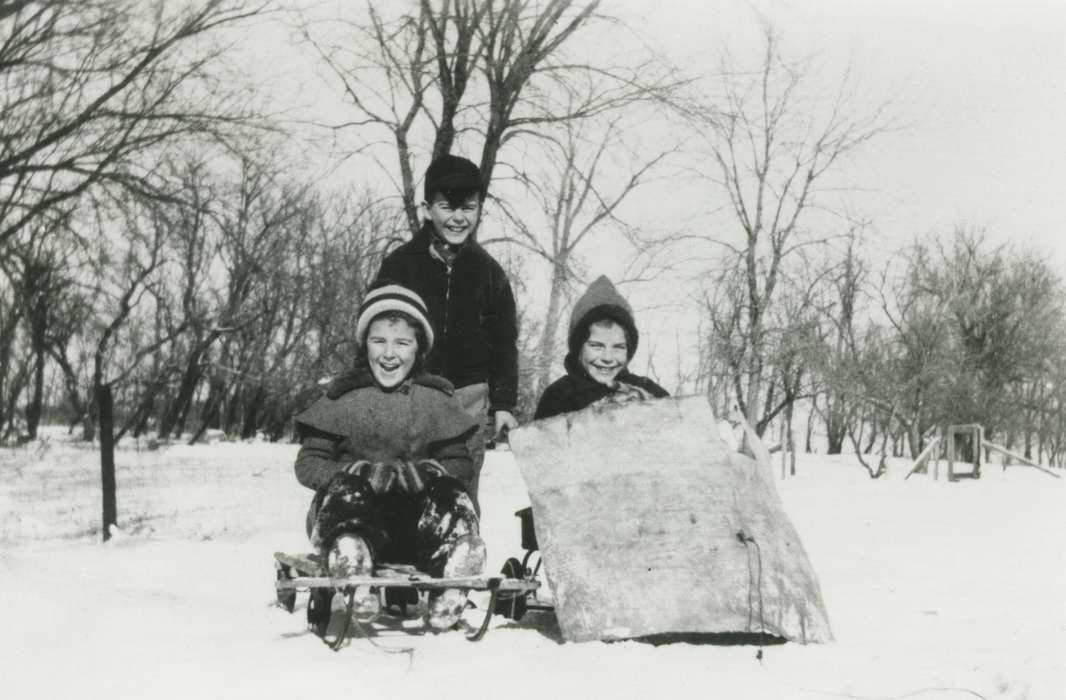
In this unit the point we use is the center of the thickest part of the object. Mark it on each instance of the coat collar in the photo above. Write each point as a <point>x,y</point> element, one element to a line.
<point>425,238</point>
<point>362,378</point>
<point>585,383</point>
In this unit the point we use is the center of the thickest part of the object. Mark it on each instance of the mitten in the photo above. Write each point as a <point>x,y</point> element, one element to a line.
<point>413,478</point>
<point>381,477</point>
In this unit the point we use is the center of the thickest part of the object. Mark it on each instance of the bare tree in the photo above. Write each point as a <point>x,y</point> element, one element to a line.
<point>128,267</point>
<point>842,392</point>
<point>91,96</point>
<point>41,276</point>
<point>14,373</point>
<point>1002,308</point>
<point>913,364</point>
<point>771,154</point>
<point>90,87</point>
<point>578,196</point>
<point>468,69</point>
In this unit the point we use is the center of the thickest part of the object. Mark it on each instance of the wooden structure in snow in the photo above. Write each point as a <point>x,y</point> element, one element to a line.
<point>648,523</point>
<point>978,446</point>
<point>1021,461</point>
<point>972,432</point>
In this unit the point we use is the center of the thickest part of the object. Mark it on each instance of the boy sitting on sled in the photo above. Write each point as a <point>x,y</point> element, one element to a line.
<point>386,452</point>
<point>603,337</point>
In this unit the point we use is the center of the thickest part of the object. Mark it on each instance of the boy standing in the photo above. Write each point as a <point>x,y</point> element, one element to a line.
<point>469,299</point>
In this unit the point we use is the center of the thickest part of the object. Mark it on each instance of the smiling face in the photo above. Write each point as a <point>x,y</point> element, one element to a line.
<point>605,353</point>
<point>391,350</point>
<point>456,218</point>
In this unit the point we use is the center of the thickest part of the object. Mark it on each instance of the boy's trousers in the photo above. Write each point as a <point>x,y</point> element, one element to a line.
<point>474,400</point>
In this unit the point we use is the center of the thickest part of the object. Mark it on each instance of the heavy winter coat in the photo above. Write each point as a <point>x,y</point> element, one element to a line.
<point>577,389</point>
<point>472,309</point>
<point>358,420</point>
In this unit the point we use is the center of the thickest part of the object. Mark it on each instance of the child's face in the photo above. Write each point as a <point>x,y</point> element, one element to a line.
<point>391,350</point>
<point>454,221</point>
<point>605,353</point>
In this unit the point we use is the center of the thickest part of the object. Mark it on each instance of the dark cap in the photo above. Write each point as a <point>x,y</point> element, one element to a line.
<point>452,175</point>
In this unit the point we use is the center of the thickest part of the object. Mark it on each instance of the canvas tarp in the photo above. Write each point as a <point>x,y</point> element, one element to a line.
<point>648,523</point>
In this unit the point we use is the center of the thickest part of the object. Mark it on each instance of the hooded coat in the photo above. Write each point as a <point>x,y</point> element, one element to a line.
<point>358,420</point>
<point>577,389</point>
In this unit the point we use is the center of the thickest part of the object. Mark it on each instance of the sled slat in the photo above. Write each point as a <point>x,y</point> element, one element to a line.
<point>311,565</point>
<point>475,583</point>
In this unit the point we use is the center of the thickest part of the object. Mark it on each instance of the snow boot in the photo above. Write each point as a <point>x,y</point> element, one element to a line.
<point>464,556</point>
<point>349,555</point>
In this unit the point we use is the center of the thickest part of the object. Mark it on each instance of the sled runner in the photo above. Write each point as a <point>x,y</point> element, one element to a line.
<point>395,584</point>
<point>517,603</point>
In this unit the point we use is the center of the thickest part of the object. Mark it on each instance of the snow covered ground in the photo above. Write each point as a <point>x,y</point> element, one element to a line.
<point>934,590</point>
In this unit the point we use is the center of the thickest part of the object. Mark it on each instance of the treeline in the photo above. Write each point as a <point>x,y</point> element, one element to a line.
<point>963,332</point>
<point>162,261</point>
<point>158,248</point>
<point>951,330</point>
<point>153,246</point>
<point>217,308</point>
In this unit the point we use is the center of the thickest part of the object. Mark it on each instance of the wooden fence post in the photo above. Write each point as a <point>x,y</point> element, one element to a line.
<point>107,458</point>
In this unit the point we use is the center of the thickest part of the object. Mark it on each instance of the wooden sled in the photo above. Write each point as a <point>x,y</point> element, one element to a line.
<point>398,584</point>
<point>651,524</point>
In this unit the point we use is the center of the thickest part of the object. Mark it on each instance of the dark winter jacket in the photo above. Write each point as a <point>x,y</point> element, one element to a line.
<point>472,310</point>
<point>358,420</point>
<point>577,389</point>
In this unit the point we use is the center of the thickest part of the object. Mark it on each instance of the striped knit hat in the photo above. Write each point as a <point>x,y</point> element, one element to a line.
<point>392,297</point>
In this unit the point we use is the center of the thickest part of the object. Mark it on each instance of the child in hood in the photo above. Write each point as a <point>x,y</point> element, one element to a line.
<point>603,337</point>
<point>385,451</point>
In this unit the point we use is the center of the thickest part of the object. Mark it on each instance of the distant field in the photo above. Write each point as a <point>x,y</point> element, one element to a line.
<point>51,489</point>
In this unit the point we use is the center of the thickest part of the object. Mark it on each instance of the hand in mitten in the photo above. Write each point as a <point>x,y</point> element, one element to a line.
<point>412,478</point>
<point>408,479</point>
<point>381,477</point>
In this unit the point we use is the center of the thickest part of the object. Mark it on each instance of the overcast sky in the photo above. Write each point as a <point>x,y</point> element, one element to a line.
<point>979,87</point>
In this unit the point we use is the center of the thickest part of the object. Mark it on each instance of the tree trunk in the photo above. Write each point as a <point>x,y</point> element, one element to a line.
<point>251,414</point>
<point>835,429</point>
<point>784,456</point>
<point>751,399</point>
<point>232,409</point>
<point>186,389</point>
<point>7,340</point>
<point>36,403</point>
<point>872,439</point>
<point>138,420</point>
<point>914,439</point>
<point>546,346</point>
<point>791,442</point>
<point>70,382</point>
<point>211,417</point>
<point>836,426</point>
<point>107,457</point>
<point>808,447</point>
